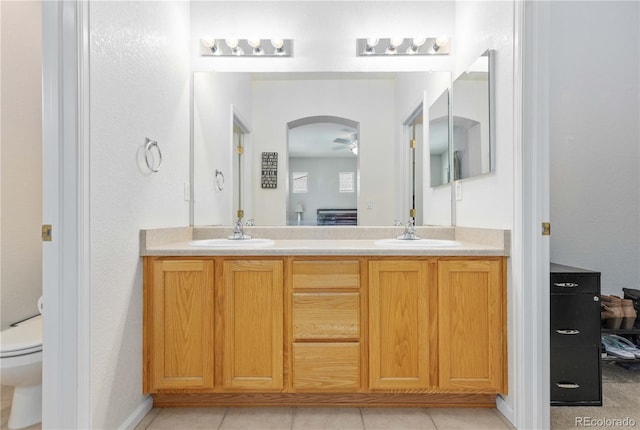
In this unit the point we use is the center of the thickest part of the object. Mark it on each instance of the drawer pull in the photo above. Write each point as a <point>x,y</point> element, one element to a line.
<point>567,385</point>
<point>566,284</point>
<point>570,331</point>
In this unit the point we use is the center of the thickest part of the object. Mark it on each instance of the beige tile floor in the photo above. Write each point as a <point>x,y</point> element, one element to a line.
<point>323,419</point>
<point>621,397</point>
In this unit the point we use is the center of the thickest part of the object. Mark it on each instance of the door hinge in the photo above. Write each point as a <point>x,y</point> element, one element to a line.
<point>46,232</point>
<point>240,149</point>
<point>546,229</point>
<point>413,144</point>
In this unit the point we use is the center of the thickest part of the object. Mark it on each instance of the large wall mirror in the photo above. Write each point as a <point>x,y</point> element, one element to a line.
<point>472,104</point>
<point>369,105</point>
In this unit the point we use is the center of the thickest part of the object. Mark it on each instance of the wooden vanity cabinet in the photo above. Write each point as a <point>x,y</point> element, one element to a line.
<point>362,327</point>
<point>178,328</point>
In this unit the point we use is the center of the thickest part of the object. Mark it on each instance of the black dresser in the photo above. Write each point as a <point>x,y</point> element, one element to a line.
<point>576,377</point>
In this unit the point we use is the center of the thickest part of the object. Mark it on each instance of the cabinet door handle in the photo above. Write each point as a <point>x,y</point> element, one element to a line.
<point>566,284</point>
<point>567,385</point>
<point>568,331</point>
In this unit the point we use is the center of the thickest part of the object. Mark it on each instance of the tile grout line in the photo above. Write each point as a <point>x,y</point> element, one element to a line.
<point>223,417</point>
<point>426,410</point>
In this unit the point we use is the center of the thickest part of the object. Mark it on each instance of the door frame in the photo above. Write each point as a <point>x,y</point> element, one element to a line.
<point>66,276</point>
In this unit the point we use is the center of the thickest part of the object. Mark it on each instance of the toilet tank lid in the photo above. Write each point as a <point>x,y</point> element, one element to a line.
<point>25,335</point>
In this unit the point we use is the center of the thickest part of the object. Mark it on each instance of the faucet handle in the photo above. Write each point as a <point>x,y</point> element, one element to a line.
<point>397,223</point>
<point>249,223</point>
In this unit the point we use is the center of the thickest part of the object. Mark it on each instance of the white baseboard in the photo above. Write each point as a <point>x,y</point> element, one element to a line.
<point>505,409</point>
<point>137,415</point>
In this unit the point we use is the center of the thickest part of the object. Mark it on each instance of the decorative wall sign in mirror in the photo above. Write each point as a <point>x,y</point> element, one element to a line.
<point>439,140</point>
<point>323,154</point>
<point>268,102</point>
<point>472,104</point>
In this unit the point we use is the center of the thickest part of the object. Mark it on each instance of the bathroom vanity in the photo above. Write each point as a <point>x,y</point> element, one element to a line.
<point>323,321</point>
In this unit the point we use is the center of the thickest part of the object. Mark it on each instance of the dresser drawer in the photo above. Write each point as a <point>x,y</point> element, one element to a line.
<point>326,367</point>
<point>575,320</point>
<point>326,316</point>
<point>575,283</point>
<point>326,274</point>
<point>575,376</point>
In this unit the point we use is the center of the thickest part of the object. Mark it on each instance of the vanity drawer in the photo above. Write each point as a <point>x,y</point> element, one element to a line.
<point>575,376</point>
<point>326,274</point>
<point>326,366</point>
<point>326,316</point>
<point>575,320</point>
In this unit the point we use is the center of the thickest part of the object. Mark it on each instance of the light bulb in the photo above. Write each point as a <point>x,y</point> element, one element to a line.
<point>210,43</point>
<point>372,42</point>
<point>277,43</point>
<point>255,44</point>
<point>396,41</point>
<point>440,42</point>
<point>232,43</point>
<point>418,41</point>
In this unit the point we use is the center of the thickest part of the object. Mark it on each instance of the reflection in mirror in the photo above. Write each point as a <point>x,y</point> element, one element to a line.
<point>414,133</point>
<point>473,146</point>
<point>323,171</point>
<point>439,140</point>
<point>239,132</point>
<point>270,101</point>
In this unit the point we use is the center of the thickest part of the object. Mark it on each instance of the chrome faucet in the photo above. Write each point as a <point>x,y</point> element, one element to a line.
<point>238,231</point>
<point>409,231</point>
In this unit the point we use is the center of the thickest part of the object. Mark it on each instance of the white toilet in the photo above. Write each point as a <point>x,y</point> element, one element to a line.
<point>21,367</point>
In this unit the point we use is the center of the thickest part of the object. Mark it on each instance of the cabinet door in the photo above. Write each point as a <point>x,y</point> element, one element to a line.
<point>471,325</point>
<point>398,324</point>
<point>181,322</point>
<point>253,324</point>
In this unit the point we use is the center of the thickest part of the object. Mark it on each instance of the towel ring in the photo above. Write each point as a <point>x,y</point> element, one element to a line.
<point>219,180</point>
<point>148,146</point>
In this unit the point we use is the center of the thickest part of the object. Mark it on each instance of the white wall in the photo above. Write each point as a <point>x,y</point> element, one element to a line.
<point>214,94</point>
<point>367,101</point>
<point>487,200</point>
<point>139,86</point>
<point>21,164</point>
<point>595,139</point>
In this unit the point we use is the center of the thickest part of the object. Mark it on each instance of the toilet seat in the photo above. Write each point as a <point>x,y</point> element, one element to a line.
<point>24,338</point>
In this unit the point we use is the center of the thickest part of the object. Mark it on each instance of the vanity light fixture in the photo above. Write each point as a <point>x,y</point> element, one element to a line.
<point>254,47</point>
<point>418,45</point>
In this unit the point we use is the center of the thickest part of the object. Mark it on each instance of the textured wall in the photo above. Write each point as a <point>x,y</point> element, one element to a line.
<point>139,88</point>
<point>21,182</point>
<point>595,139</point>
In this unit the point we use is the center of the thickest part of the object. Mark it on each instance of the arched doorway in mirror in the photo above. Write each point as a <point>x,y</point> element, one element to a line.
<point>323,171</point>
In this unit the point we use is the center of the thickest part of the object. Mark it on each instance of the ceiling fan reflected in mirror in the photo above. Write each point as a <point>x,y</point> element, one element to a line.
<point>350,143</point>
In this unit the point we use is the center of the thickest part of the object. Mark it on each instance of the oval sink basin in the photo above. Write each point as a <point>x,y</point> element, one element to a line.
<point>228,243</point>
<point>419,243</point>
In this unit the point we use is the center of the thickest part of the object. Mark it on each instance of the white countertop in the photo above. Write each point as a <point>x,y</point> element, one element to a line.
<point>176,242</point>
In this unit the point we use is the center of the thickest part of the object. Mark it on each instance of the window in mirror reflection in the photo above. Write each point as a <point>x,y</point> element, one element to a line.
<point>320,152</point>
